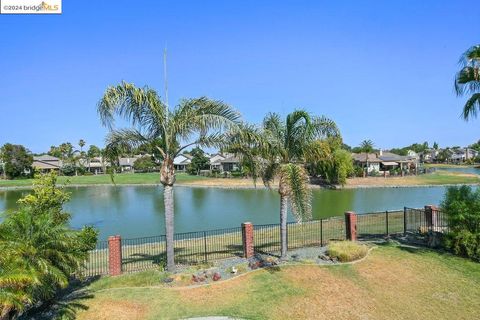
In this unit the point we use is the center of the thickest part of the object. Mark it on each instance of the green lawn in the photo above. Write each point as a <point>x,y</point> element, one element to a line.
<point>446,177</point>
<point>392,283</point>
<point>125,178</point>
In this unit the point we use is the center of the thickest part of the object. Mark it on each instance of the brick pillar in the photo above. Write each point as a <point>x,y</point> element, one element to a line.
<point>431,216</point>
<point>351,225</point>
<point>247,239</point>
<point>114,255</point>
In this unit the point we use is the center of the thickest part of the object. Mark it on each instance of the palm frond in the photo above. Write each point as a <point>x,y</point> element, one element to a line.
<point>472,106</point>
<point>296,179</point>
<point>324,127</point>
<point>140,106</point>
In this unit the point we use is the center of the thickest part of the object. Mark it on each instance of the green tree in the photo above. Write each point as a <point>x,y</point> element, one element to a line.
<point>467,81</point>
<point>462,208</point>
<point>199,120</point>
<point>39,249</point>
<point>279,149</point>
<point>145,164</point>
<point>199,161</point>
<point>367,147</point>
<point>435,146</point>
<point>16,160</point>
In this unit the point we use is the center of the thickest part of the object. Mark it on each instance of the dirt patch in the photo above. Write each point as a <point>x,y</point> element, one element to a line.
<point>223,293</point>
<point>104,309</point>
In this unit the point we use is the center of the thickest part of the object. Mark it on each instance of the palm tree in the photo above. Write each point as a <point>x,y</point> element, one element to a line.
<point>367,147</point>
<point>279,149</point>
<point>197,121</point>
<point>467,81</point>
<point>81,143</point>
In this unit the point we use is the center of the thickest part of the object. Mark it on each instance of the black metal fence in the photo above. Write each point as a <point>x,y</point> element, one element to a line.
<point>205,246</point>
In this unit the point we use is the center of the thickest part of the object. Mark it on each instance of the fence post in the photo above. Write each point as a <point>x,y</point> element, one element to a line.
<point>321,232</point>
<point>247,239</point>
<point>404,220</point>
<point>386,221</point>
<point>431,216</point>
<point>351,225</point>
<point>114,255</point>
<point>205,244</point>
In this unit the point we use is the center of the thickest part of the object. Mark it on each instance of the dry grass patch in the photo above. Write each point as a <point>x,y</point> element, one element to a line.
<point>106,309</point>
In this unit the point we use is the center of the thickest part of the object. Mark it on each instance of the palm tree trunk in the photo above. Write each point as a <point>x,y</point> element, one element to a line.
<point>4,313</point>
<point>283,191</point>
<point>283,226</point>
<point>169,226</point>
<point>167,178</point>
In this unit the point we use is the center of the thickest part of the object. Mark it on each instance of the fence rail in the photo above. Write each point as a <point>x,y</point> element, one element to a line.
<point>205,246</point>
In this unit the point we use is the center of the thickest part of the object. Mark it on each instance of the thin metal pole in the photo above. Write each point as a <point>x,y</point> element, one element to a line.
<point>205,244</point>
<point>386,220</point>
<point>404,220</point>
<point>321,232</point>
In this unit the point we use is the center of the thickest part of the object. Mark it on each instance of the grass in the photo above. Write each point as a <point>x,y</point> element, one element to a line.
<point>392,283</point>
<point>445,177</point>
<point>125,178</point>
<point>346,251</point>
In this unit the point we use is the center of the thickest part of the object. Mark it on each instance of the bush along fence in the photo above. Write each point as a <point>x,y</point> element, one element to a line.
<point>118,255</point>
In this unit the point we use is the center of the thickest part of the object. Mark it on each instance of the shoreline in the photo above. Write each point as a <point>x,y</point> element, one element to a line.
<point>246,187</point>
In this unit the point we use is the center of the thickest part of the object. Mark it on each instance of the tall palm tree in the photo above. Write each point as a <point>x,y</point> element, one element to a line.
<point>279,149</point>
<point>198,121</point>
<point>467,81</point>
<point>367,147</point>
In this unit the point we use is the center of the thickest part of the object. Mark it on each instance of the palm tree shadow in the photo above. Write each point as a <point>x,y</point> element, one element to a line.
<point>66,303</point>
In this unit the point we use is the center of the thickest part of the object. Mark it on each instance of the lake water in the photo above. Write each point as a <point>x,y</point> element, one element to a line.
<point>471,170</point>
<point>137,211</point>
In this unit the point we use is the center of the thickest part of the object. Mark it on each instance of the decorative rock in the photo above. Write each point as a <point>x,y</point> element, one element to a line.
<point>168,280</point>
<point>216,276</point>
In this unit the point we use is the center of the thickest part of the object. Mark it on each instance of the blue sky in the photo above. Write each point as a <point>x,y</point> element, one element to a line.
<point>383,70</point>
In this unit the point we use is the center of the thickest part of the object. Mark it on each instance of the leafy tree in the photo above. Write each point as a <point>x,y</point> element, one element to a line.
<point>39,250</point>
<point>400,152</point>
<point>467,81</point>
<point>462,207</point>
<point>444,155</point>
<point>331,161</point>
<point>435,146</point>
<point>16,160</point>
<point>199,161</point>
<point>279,149</point>
<point>199,120</point>
<point>93,151</point>
<point>367,147</point>
<point>145,164</point>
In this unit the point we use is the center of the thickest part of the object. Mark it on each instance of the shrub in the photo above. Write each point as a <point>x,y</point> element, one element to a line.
<point>462,208</point>
<point>346,251</point>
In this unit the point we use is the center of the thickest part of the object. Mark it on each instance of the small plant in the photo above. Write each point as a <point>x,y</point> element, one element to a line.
<point>346,251</point>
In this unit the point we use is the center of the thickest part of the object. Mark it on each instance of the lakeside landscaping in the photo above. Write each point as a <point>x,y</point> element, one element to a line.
<point>437,178</point>
<point>393,282</point>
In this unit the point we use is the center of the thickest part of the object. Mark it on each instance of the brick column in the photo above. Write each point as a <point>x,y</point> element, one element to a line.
<point>351,225</point>
<point>247,239</point>
<point>114,255</point>
<point>431,216</point>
